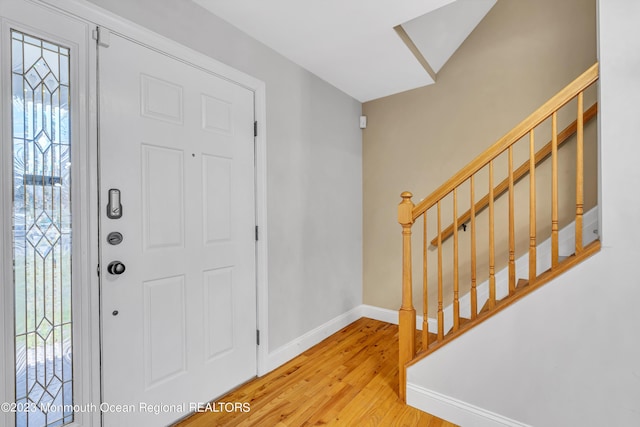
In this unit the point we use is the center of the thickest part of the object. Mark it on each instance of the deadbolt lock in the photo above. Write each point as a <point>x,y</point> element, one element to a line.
<point>114,238</point>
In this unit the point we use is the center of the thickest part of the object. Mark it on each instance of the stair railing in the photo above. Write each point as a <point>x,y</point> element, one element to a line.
<point>408,214</point>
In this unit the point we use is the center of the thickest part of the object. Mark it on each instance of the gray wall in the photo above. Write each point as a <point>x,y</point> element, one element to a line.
<point>314,164</point>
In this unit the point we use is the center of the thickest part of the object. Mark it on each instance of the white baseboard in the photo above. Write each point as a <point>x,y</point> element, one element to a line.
<point>283,354</point>
<point>391,316</point>
<point>454,410</point>
<point>381,314</point>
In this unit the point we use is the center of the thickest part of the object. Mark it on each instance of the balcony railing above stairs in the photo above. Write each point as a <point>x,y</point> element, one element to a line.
<point>408,214</point>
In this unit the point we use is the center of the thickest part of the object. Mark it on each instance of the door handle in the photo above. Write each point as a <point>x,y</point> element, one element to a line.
<point>116,268</point>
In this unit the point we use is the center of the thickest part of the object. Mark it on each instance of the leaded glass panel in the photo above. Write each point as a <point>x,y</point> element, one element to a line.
<point>42,231</point>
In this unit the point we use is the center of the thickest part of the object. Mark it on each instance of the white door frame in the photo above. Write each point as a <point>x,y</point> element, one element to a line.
<point>116,24</point>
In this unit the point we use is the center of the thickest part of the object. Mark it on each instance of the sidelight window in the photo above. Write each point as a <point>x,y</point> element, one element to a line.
<point>42,232</point>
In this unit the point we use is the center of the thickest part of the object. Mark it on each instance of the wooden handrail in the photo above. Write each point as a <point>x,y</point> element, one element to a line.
<point>513,136</point>
<point>522,170</point>
<point>408,213</point>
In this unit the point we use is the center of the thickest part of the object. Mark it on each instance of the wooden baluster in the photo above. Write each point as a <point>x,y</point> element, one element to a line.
<point>579,173</point>
<point>492,247</point>
<point>425,296</point>
<point>532,208</point>
<point>521,171</point>
<point>512,233</point>
<point>407,315</point>
<point>456,302</point>
<point>440,312</point>
<point>474,294</point>
<point>554,190</point>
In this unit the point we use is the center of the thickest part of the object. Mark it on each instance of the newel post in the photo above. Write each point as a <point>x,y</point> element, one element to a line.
<point>407,315</point>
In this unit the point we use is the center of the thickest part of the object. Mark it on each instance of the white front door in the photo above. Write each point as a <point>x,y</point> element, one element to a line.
<point>177,183</point>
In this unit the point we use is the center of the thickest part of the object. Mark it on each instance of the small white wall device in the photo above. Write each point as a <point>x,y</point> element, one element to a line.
<point>363,122</point>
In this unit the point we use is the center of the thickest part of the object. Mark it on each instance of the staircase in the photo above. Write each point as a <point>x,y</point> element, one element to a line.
<point>520,283</point>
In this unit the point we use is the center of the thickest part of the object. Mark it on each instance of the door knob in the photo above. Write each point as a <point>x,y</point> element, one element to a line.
<point>116,267</point>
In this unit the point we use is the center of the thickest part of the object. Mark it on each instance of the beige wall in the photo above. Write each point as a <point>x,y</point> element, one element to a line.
<point>521,54</point>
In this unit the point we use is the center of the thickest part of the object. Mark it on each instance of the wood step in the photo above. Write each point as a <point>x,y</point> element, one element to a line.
<point>485,308</point>
<point>522,283</point>
<point>419,337</point>
<point>463,321</point>
<point>432,338</point>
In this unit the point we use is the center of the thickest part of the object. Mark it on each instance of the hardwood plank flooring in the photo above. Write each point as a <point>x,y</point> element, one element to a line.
<point>349,379</point>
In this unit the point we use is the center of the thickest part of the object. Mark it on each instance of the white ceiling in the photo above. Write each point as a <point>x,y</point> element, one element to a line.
<point>352,44</point>
<point>440,33</point>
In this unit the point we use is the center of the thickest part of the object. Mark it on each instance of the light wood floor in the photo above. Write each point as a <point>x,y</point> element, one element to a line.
<point>349,379</point>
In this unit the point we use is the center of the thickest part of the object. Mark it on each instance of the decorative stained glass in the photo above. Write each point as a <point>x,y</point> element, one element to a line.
<point>42,232</point>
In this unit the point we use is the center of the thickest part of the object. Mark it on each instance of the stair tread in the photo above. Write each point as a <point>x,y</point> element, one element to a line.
<point>431,338</point>
<point>484,308</point>
<point>519,285</point>
<point>463,321</point>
